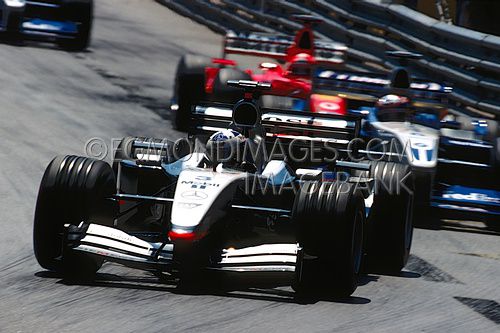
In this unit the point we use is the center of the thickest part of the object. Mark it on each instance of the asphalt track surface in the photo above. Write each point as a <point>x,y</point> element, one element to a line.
<point>52,102</point>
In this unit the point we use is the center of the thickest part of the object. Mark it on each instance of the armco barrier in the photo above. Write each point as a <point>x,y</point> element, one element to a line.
<point>467,60</point>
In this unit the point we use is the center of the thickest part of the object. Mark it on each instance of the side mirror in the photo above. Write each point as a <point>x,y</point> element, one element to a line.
<point>362,112</point>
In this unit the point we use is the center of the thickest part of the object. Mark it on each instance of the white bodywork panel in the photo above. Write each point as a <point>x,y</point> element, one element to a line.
<point>198,190</point>
<point>277,173</point>
<point>421,143</point>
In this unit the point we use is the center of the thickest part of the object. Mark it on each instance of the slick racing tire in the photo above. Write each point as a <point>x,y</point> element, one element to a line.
<point>170,151</point>
<point>189,87</point>
<point>124,151</point>
<point>390,220</point>
<point>330,221</point>
<point>424,183</point>
<point>224,93</point>
<point>80,12</point>
<point>73,190</point>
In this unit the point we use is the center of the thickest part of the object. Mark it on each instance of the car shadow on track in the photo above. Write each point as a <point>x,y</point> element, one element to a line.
<point>262,290</point>
<point>433,220</point>
<point>473,227</point>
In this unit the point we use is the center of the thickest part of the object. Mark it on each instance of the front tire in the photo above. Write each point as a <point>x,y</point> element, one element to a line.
<point>330,220</point>
<point>73,190</point>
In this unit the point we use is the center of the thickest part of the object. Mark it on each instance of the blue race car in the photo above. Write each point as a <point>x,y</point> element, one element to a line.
<point>66,22</point>
<point>455,159</point>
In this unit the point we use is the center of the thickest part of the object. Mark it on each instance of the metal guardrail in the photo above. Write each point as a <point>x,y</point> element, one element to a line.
<point>467,60</point>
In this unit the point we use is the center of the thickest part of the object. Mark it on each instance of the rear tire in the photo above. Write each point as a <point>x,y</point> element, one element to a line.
<point>171,150</point>
<point>73,190</point>
<point>81,12</point>
<point>124,151</point>
<point>189,87</point>
<point>330,220</point>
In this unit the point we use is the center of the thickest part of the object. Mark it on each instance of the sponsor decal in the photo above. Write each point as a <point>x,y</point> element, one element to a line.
<point>194,195</point>
<point>114,234</point>
<point>307,120</point>
<point>188,205</point>
<point>329,106</point>
<point>199,184</point>
<point>471,197</point>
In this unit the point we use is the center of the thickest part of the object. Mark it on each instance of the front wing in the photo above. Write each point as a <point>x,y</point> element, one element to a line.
<point>118,246</point>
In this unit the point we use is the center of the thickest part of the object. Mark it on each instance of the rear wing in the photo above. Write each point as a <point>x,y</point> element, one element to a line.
<point>286,126</point>
<point>368,87</point>
<point>276,46</point>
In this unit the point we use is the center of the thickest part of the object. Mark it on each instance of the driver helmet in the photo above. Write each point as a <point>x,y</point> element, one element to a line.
<point>225,147</point>
<point>301,65</point>
<point>394,108</point>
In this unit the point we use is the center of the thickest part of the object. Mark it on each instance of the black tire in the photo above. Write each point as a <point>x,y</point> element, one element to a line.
<point>330,221</point>
<point>124,151</point>
<point>12,31</point>
<point>391,218</point>
<point>172,151</point>
<point>73,189</point>
<point>189,87</point>
<point>224,93</point>
<point>424,184</point>
<point>81,12</point>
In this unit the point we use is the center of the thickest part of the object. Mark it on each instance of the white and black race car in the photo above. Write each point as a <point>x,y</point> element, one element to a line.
<point>66,22</point>
<point>210,211</point>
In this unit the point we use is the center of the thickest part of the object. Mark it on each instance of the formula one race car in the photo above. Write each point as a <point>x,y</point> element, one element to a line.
<point>455,159</point>
<point>225,209</point>
<point>200,78</point>
<point>67,22</point>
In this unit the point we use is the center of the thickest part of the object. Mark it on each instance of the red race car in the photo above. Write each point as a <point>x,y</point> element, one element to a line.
<point>200,78</point>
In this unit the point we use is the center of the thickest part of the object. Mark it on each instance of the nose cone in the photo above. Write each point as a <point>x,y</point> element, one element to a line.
<point>422,147</point>
<point>201,197</point>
